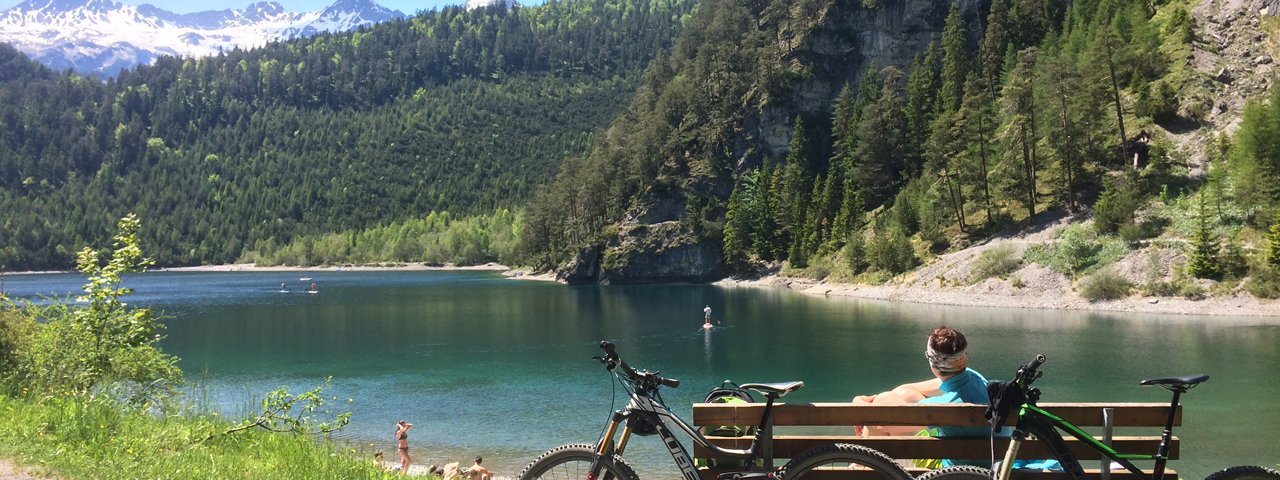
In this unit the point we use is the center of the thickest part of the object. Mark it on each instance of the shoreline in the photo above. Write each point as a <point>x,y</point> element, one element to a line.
<point>1234,306</point>
<point>1221,306</point>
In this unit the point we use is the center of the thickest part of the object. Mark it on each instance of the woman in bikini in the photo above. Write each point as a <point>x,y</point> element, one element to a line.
<point>402,438</point>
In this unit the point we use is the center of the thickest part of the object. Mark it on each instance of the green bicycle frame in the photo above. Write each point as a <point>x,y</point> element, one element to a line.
<point>1044,425</point>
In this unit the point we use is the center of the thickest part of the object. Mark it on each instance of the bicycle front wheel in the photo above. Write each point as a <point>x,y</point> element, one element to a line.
<point>959,472</point>
<point>833,462</point>
<point>573,462</point>
<point>1245,472</point>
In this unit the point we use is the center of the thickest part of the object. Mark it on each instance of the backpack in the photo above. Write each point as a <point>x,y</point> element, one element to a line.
<point>727,392</point>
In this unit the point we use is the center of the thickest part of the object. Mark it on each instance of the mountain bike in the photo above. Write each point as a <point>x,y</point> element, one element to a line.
<point>646,414</point>
<point>1019,398</point>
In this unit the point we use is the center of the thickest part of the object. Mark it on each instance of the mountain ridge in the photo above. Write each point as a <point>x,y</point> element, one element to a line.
<point>103,37</point>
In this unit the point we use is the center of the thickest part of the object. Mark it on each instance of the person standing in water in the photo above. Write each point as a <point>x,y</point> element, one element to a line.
<point>402,440</point>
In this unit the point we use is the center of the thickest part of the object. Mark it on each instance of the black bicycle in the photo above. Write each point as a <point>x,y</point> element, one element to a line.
<point>646,414</point>
<point>1017,397</point>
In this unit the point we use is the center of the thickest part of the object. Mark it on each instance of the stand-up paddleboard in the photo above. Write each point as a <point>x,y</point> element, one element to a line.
<point>706,325</point>
<point>305,279</point>
<point>313,291</point>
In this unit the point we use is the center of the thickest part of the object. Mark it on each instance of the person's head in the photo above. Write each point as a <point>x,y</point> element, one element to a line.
<point>478,459</point>
<point>946,351</point>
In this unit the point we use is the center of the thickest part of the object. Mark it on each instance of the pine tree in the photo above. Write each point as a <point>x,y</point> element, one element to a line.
<point>955,61</point>
<point>995,42</point>
<point>737,222</point>
<point>1204,262</point>
<point>881,139</point>
<point>923,84</point>
<point>1017,136</point>
<point>1273,242</point>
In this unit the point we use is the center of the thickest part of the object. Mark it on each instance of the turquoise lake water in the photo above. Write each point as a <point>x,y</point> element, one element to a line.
<point>484,365</point>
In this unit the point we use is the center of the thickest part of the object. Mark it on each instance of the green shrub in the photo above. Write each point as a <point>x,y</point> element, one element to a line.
<point>1264,283</point>
<point>997,261</point>
<point>1105,285</point>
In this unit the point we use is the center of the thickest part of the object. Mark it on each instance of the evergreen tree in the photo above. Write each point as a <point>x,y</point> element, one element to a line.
<point>955,60</point>
<point>995,42</point>
<point>1017,135</point>
<point>1273,243</point>
<point>1204,261</point>
<point>923,84</point>
<point>881,139</point>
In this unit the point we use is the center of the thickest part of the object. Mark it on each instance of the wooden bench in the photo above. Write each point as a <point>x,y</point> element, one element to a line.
<point>799,427</point>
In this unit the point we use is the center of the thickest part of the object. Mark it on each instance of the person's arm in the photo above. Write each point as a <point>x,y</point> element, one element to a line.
<point>928,388</point>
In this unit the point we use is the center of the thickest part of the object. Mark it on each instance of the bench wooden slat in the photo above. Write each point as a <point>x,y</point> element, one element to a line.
<point>1090,474</point>
<point>838,414</point>
<point>788,446</point>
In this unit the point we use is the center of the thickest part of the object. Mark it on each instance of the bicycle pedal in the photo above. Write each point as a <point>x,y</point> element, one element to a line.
<point>746,476</point>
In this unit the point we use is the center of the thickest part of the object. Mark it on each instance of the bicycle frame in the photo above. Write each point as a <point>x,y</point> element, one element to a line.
<point>1044,425</point>
<point>644,408</point>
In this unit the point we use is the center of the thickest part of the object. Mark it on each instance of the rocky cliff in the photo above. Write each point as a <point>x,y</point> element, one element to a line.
<point>829,46</point>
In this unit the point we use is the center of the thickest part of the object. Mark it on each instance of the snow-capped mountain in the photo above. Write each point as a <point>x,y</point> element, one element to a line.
<point>101,37</point>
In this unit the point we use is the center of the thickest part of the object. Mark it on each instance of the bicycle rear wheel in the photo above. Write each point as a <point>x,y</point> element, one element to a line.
<point>1245,472</point>
<point>573,462</point>
<point>958,472</point>
<point>841,461</point>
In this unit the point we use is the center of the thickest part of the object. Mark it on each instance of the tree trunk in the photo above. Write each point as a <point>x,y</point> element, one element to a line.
<point>1026,165</point>
<point>1115,90</point>
<point>1067,161</point>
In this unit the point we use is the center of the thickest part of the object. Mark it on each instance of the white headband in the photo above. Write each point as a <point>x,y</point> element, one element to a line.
<point>942,362</point>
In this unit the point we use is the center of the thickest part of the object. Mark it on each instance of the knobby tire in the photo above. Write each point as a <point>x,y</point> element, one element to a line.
<point>828,461</point>
<point>958,472</point>
<point>573,462</point>
<point>1245,472</point>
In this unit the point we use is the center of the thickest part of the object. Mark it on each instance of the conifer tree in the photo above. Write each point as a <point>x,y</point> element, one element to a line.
<point>1018,136</point>
<point>1204,261</point>
<point>881,136</point>
<point>995,42</point>
<point>923,84</point>
<point>738,221</point>
<point>794,200</point>
<point>1273,242</point>
<point>955,61</point>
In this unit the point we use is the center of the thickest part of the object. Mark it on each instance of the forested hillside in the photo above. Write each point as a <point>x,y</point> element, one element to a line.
<point>1017,107</point>
<point>455,111</point>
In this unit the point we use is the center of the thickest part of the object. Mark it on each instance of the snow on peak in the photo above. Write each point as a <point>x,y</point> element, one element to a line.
<point>102,36</point>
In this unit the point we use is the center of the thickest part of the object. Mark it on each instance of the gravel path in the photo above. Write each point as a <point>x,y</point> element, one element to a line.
<point>10,471</point>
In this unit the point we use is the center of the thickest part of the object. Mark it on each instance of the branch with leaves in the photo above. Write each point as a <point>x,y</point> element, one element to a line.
<point>288,413</point>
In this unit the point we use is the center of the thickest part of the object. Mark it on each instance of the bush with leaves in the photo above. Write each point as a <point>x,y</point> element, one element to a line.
<point>1120,199</point>
<point>997,261</point>
<point>105,346</point>
<point>285,412</point>
<point>1105,285</point>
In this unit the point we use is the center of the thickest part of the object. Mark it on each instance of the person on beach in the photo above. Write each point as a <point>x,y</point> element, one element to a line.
<point>477,472</point>
<point>402,440</point>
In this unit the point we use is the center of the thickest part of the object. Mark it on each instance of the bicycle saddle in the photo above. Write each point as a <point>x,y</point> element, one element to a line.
<point>1176,383</point>
<point>778,389</point>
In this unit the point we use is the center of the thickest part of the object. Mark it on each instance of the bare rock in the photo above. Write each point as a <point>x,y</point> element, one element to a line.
<point>1223,75</point>
<point>1263,60</point>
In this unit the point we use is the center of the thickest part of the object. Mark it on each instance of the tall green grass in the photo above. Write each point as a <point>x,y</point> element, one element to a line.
<point>73,437</point>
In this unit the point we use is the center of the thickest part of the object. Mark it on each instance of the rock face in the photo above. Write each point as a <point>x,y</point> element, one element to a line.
<point>834,46</point>
<point>846,44</point>
<point>661,252</point>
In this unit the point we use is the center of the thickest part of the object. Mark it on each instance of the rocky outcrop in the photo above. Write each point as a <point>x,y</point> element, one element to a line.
<point>641,253</point>
<point>828,48</point>
<point>844,44</point>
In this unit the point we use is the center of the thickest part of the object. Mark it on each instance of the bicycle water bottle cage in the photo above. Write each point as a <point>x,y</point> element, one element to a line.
<point>1176,384</point>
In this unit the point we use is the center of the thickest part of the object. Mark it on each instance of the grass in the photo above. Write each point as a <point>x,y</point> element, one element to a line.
<point>998,261</point>
<point>71,437</point>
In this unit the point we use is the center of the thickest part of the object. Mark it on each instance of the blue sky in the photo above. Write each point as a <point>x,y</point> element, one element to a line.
<point>188,6</point>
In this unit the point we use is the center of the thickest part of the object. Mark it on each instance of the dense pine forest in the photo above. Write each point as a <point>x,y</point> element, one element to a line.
<point>239,155</point>
<point>1025,107</point>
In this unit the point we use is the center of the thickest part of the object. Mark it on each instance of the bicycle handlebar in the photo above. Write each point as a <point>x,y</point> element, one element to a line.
<point>611,360</point>
<point>1029,373</point>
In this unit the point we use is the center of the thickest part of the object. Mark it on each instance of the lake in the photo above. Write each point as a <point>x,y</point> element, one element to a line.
<point>485,365</point>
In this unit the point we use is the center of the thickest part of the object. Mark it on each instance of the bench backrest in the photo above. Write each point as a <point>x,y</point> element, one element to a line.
<point>794,432</point>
